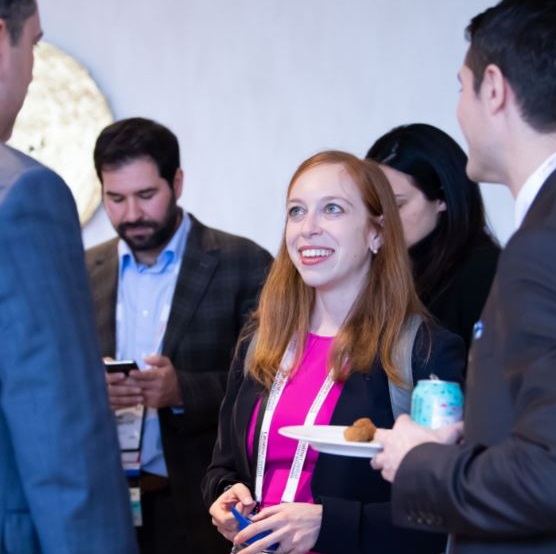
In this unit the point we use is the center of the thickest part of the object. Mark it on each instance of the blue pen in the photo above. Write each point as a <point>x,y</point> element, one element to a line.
<point>244,521</point>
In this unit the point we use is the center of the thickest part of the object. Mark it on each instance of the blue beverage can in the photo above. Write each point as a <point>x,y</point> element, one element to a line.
<point>436,403</point>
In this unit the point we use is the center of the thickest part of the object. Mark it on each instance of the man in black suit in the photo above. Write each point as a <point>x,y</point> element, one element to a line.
<point>496,491</point>
<point>62,490</point>
<point>173,295</point>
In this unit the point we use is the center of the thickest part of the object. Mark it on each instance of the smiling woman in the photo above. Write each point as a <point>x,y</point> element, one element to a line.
<point>329,234</point>
<point>335,307</point>
<point>60,120</point>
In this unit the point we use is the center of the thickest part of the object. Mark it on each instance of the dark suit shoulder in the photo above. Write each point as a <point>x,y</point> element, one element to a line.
<point>209,238</point>
<point>529,247</point>
<point>543,208</point>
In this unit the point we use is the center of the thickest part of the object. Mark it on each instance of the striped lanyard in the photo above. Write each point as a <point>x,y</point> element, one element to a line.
<point>276,391</point>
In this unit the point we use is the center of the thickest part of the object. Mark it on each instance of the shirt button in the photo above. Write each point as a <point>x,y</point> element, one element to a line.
<point>145,313</point>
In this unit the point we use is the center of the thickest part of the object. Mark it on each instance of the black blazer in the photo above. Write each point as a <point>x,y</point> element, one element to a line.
<point>356,515</point>
<point>497,491</point>
<point>459,306</point>
<point>217,288</point>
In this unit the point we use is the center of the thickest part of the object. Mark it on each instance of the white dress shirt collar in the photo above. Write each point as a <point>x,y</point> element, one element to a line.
<point>531,188</point>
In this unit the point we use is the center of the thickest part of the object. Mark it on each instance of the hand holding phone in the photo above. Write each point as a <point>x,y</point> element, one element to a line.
<point>120,366</point>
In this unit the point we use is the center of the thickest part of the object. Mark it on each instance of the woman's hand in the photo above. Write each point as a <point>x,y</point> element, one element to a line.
<point>295,526</point>
<point>221,509</point>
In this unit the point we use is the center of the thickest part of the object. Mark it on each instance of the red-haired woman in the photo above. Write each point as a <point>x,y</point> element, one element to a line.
<point>330,318</point>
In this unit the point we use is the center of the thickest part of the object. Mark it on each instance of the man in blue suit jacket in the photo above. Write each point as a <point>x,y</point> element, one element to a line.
<point>62,489</point>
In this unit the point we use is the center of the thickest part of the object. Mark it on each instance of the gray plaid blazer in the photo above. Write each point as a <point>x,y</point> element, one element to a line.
<point>217,288</point>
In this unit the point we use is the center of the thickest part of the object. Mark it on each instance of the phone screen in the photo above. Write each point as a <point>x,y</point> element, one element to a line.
<point>120,366</point>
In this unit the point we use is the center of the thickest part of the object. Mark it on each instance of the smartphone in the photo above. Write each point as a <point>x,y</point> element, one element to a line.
<point>120,366</point>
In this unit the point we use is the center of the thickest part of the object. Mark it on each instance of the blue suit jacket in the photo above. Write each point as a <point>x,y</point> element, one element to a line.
<point>62,489</point>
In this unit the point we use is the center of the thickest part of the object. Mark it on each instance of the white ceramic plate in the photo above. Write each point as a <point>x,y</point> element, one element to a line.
<point>330,440</point>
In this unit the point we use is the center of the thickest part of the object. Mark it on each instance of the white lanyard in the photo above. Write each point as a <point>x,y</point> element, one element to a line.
<point>151,413</point>
<point>276,391</point>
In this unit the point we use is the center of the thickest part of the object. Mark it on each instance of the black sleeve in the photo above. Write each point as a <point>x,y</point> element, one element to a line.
<point>223,469</point>
<point>504,490</point>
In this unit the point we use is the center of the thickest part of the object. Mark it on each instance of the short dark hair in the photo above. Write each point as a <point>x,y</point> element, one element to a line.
<point>15,13</point>
<point>131,139</point>
<point>437,164</point>
<point>519,36</point>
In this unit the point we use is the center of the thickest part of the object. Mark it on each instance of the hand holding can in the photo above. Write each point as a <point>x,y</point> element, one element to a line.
<point>436,403</point>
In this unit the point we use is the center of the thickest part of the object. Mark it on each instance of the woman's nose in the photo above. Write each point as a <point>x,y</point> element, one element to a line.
<point>311,224</point>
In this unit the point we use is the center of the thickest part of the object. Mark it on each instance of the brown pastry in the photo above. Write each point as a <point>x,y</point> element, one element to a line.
<point>362,430</point>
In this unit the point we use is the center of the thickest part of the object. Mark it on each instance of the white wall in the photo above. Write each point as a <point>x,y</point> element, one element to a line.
<point>253,87</point>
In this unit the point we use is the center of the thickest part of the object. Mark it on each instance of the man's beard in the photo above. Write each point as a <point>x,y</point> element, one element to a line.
<point>162,232</point>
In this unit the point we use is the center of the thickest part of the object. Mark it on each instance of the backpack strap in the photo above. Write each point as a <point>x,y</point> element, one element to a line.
<point>400,395</point>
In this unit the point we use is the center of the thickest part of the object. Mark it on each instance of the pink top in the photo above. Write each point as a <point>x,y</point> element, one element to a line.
<point>294,405</point>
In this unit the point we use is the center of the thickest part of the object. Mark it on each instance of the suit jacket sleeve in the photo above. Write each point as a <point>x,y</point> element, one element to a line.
<point>507,488</point>
<point>53,396</point>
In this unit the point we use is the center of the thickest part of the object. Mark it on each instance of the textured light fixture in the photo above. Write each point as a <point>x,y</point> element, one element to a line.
<point>62,116</point>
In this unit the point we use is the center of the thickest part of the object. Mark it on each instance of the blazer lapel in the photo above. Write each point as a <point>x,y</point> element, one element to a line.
<point>543,203</point>
<point>250,395</point>
<point>103,271</point>
<point>197,268</point>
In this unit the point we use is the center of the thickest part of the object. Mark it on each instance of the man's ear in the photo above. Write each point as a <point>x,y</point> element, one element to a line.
<point>178,182</point>
<point>494,89</point>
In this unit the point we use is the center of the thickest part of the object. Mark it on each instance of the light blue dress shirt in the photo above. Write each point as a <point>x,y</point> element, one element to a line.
<point>144,299</point>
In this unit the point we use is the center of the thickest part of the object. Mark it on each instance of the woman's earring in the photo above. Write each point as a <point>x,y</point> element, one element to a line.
<point>374,250</point>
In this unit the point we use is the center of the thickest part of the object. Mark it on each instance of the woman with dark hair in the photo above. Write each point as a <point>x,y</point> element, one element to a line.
<point>453,254</point>
<point>323,349</point>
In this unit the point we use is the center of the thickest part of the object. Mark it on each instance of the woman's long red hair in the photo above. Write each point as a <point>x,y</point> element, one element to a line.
<point>373,324</point>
